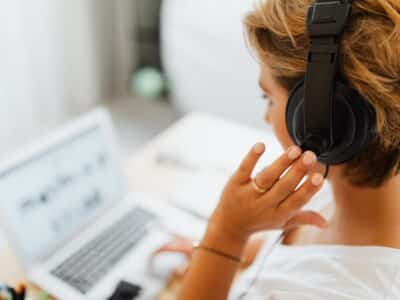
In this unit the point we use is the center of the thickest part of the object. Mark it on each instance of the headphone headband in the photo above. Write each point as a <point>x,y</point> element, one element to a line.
<point>324,114</point>
<point>326,21</point>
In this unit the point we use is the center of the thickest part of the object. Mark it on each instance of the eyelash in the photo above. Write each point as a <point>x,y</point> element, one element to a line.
<point>266,98</point>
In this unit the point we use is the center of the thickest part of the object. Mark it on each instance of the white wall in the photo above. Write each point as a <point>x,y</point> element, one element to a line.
<point>56,60</point>
<point>16,109</point>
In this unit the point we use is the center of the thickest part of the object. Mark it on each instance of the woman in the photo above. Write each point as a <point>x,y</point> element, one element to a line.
<point>350,251</point>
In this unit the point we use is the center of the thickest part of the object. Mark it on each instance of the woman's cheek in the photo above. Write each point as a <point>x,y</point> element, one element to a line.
<point>267,117</point>
<point>283,137</point>
<point>278,123</point>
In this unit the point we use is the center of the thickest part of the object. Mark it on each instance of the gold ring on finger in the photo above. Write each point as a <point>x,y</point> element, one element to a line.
<point>257,187</point>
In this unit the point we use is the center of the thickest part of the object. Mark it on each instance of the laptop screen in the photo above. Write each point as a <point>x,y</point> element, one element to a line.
<point>51,195</point>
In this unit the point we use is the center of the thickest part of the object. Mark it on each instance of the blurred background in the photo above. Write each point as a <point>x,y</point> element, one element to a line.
<point>148,61</point>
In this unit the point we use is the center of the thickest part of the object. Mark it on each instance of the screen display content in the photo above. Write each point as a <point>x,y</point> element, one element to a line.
<point>50,196</point>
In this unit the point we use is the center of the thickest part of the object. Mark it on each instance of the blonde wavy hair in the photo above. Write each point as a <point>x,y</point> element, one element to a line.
<point>370,63</point>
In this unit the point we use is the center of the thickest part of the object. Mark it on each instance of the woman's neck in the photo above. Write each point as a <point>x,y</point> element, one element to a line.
<point>366,216</point>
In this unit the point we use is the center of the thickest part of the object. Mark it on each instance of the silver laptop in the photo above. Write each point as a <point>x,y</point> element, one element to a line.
<point>66,209</point>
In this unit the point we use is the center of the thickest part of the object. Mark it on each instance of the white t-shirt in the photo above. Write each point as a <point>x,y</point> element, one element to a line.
<point>325,272</point>
<point>320,272</point>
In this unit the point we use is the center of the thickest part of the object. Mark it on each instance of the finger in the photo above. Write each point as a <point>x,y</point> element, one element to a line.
<point>181,239</point>
<point>267,177</point>
<point>181,271</point>
<point>249,162</point>
<point>288,183</point>
<point>306,218</point>
<point>184,248</point>
<point>303,195</point>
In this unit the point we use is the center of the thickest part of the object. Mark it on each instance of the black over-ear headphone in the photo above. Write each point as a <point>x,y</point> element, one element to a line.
<point>323,113</point>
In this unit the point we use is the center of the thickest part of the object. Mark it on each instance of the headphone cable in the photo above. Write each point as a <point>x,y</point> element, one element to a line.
<point>261,266</point>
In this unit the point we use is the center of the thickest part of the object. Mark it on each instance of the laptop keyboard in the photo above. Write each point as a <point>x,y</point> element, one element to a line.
<point>83,269</point>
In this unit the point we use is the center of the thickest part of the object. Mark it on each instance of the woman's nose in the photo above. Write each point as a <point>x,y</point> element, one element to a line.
<point>267,118</point>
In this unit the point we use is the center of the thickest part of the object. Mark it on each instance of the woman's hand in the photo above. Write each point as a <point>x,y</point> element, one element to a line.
<point>272,200</point>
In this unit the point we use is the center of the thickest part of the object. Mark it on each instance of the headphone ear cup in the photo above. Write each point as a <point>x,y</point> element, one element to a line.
<point>353,121</point>
<point>294,114</point>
